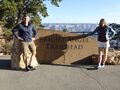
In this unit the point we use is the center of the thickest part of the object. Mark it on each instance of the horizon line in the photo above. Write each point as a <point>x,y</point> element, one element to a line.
<point>69,23</point>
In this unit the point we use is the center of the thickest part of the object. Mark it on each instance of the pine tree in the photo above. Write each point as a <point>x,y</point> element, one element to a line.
<point>11,11</point>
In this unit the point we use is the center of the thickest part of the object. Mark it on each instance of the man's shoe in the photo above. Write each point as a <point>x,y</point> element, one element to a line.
<point>27,68</point>
<point>31,68</point>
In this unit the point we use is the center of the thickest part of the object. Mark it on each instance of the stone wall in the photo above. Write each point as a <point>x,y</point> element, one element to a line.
<point>113,58</point>
<point>2,41</point>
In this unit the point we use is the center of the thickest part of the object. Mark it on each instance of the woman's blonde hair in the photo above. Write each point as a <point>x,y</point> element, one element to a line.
<point>102,21</point>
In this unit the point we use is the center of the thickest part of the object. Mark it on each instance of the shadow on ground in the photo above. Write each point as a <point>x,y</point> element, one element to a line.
<point>85,63</point>
<point>87,67</point>
<point>5,64</point>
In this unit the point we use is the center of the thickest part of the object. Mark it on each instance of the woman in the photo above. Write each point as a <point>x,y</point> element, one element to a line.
<point>105,33</point>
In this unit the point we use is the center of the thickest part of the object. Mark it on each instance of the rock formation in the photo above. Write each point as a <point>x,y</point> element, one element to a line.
<point>17,61</point>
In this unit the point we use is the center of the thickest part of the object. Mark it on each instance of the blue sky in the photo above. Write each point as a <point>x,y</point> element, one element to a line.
<point>84,11</point>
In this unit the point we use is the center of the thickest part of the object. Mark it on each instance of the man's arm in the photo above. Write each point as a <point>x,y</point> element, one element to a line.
<point>15,32</point>
<point>34,32</point>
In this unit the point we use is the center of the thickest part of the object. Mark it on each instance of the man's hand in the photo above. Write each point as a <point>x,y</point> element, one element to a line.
<point>20,38</point>
<point>33,39</point>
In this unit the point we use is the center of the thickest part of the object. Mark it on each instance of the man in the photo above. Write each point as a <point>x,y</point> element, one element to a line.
<point>26,33</point>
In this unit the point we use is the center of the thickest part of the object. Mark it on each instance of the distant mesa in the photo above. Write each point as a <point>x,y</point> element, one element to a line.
<point>71,27</point>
